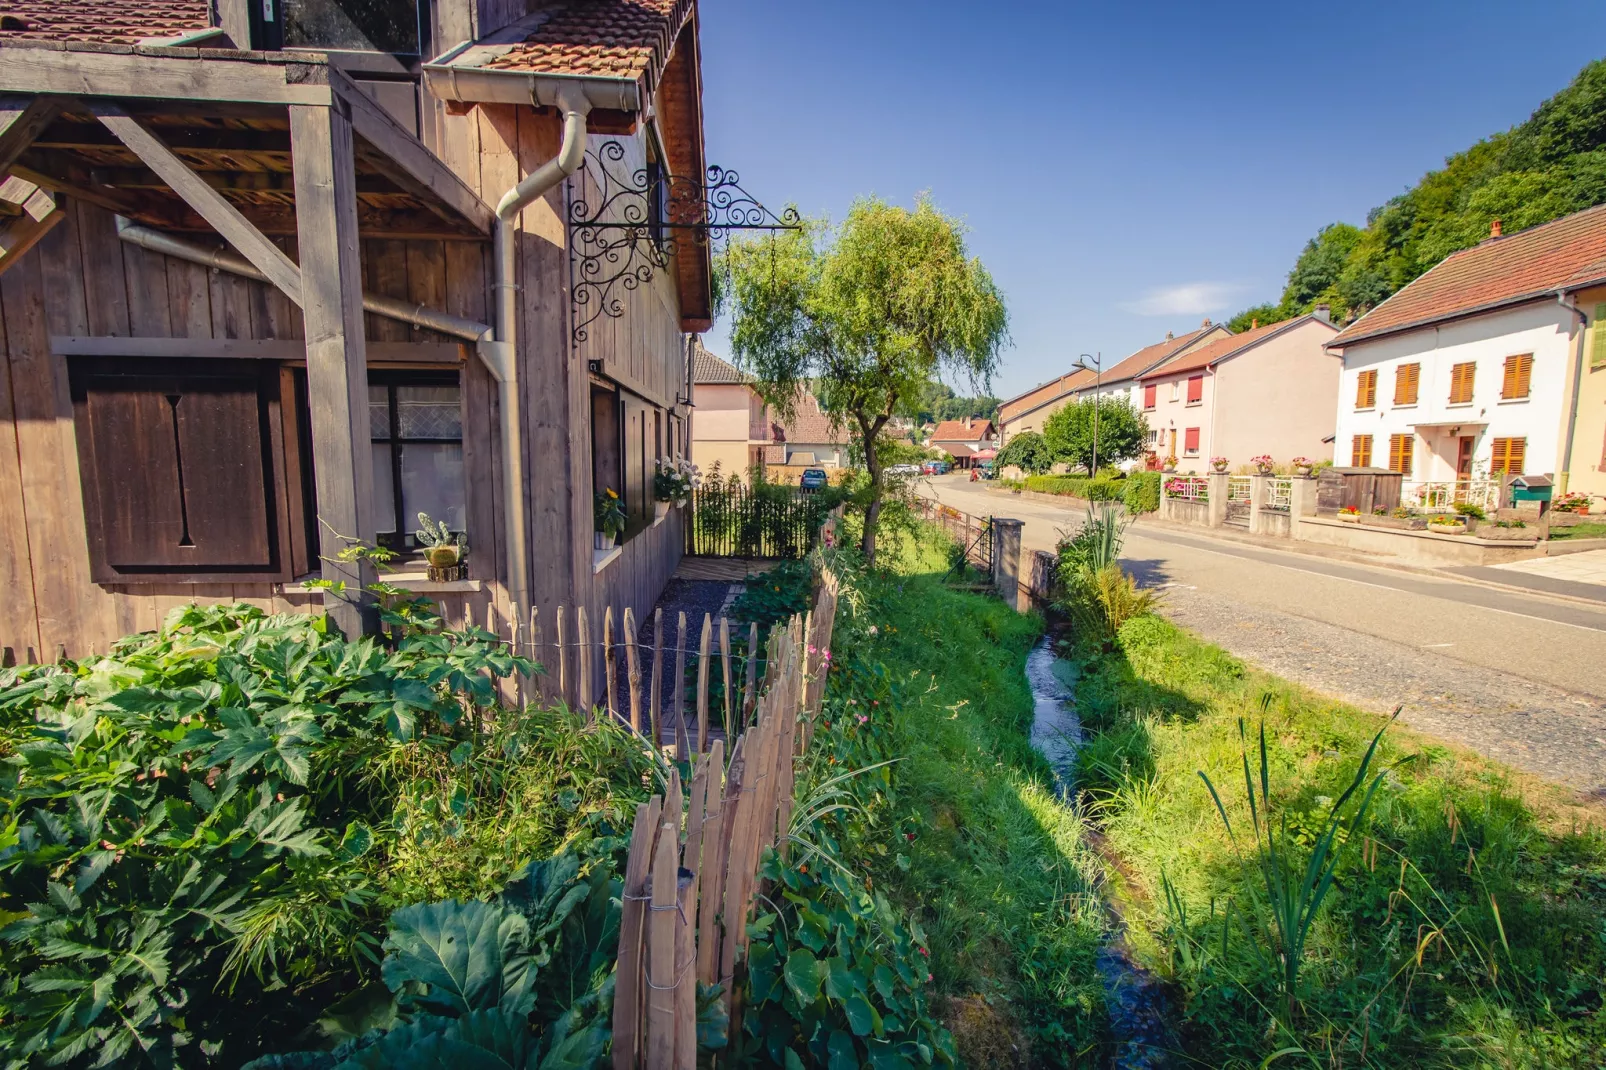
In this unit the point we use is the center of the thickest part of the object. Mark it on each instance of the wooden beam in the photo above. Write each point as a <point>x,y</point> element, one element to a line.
<point>19,235</point>
<point>75,136</point>
<point>33,200</point>
<point>224,217</point>
<point>21,123</point>
<point>288,350</point>
<point>337,374</point>
<point>174,74</point>
<point>51,161</point>
<point>420,170</point>
<point>80,185</point>
<point>235,18</point>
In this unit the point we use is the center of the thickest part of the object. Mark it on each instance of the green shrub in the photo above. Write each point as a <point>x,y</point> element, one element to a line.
<point>1470,509</point>
<point>1142,492</point>
<point>1098,489</point>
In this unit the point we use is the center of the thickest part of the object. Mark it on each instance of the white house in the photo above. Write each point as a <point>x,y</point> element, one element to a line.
<point>1470,371</point>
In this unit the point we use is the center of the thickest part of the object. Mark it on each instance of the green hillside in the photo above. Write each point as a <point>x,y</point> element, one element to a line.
<point>1547,167</point>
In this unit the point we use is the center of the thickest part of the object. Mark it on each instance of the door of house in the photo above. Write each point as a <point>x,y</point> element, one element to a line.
<point>1172,451</point>
<point>1463,458</point>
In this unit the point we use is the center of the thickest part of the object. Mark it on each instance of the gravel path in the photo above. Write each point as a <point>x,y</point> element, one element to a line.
<point>1556,734</point>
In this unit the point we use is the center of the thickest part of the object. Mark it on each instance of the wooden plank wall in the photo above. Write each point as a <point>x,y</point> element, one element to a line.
<point>82,280</point>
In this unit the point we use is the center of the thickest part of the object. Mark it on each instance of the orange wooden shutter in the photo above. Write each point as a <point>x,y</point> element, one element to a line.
<point>1461,380</point>
<point>1400,448</point>
<point>1361,451</point>
<point>1366,389</point>
<point>1406,377</point>
<point>1518,372</point>
<point>1508,456</point>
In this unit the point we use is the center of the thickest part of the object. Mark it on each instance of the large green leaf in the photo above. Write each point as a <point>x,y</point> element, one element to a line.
<point>480,1040</point>
<point>472,956</point>
<point>803,975</point>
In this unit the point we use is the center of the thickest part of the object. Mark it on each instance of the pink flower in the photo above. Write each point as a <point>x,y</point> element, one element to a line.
<point>863,719</point>
<point>928,978</point>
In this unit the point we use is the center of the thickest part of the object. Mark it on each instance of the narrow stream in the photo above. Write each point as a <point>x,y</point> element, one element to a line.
<point>1134,997</point>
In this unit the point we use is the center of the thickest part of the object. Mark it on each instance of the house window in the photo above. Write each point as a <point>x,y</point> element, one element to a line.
<point>1508,456</point>
<point>1406,379</point>
<point>1366,389</point>
<point>1597,343</point>
<point>1149,400</point>
<point>626,442</point>
<point>1176,389</point>
<point>177,463</point>
<point>1461,376</point>
<point>1360,451</point>
<point>1518,373</point>
<point>1190,442</point>
<point>346,25</point>
<point>1400,451</point>
<point>1195,389</point>
<point>415,423</point>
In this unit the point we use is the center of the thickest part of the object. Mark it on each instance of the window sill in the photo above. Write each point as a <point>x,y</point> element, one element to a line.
<point>1405,404</point>
<point>1193,404</point>
<point>1513,401</point>
<point>601,559</point>
<point>417,583</point>
<point>1458,404</point>
<point>1369,408</point>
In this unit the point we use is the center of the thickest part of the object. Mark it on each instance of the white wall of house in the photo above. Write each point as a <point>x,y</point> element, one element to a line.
<point>1541,328</point>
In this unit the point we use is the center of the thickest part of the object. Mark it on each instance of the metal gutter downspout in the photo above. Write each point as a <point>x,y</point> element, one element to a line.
<point>1578,388</point>
<point>499,353</point>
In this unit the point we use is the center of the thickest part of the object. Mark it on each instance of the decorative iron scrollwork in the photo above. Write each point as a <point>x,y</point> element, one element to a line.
<point>630,229</point>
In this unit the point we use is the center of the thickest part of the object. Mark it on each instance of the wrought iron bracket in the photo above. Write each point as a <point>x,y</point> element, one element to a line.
<point>633,227</point>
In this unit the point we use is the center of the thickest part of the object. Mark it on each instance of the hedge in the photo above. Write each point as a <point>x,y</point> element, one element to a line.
<point>1096,488</point>
<point>1142,492</point>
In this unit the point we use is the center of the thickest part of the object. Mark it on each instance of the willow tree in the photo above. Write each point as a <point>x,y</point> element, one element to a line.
<point>863,316</point>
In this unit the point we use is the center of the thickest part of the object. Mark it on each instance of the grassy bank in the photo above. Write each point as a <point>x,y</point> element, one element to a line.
<point>965,831</point>
<point>1466,925</point>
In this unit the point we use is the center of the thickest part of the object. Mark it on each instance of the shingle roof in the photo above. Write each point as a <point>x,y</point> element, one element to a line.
<point>1222,348</point>
<point>707,368</point>
<point>1149,357</point>
<point>1042,394</point>
<point>1529,264</point>
<point>1129,368</point>
<point>608,38</point>
<point>810,424</point>
<point>956,431</point>
<point>123,22</point>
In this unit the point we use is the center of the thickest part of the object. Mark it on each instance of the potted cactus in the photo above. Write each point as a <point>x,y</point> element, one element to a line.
<point>444,551</point>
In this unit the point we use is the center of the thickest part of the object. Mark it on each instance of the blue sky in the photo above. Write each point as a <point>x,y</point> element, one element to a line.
<point>1125,168</point>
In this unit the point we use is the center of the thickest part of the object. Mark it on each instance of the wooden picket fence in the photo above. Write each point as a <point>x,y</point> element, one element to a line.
<point>692,873</point>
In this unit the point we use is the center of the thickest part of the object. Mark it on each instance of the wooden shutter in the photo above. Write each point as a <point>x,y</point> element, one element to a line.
<point>1190,440</point>
<point>1518,372</point>
<point>1366,389</point>
<point>1597,344</point>
<point>179,468</point>
<point>1195,389</point>
<point>1508,456</point>
<point>1148,395</point>
<point>1406,378</point>
<point>1400,451</point>
<point>1461,380</point>
<point>1361,451</point>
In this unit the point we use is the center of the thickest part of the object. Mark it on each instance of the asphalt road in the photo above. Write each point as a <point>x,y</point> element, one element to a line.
<point>1515,676</point>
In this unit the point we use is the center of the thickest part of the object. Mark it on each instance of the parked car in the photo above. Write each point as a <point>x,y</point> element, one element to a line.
<point>813,479</point>
<point>935,468</point>
<point>903,470</point>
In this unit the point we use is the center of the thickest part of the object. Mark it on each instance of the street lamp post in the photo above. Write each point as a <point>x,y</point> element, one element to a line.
<point>1098,371</point>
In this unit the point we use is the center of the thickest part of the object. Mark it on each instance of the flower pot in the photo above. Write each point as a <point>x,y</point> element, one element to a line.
<point>1264,470</point>
<point>1448,529</point>
<point>1304,470</point>
<point>660,509</point>
<point>1350,518</point>
<point>606,540</point>
<point>1170,468</point>
<point>1219,467</point>
<point>446,573</point>
<point>441,556</point>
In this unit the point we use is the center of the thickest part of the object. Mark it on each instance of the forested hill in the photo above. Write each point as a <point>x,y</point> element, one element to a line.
<point>1549,166</point>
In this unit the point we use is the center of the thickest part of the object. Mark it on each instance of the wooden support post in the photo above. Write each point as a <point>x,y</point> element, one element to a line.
<point>660,1047</point>
<point>725,665</point>
<point>532,650</point>
<point>22,120</point>
<point>582,640</point>
<point>750,692</point>
<point>628,989</point>
<point>608,660</point>
<point>632,670</point>
<point>710,867</point>
<point>702,683</point>
<point>563,667</point>
<point>682,751</point>
<point>655,720</point>
<point>337,358</point>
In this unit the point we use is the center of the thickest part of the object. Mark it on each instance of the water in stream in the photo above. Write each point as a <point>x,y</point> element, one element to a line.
<point>1134,997</point>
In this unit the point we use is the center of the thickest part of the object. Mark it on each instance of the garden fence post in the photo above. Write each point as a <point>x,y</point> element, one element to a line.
<point>1259,486</point>
<point>1006,561</point>
<point>1216,509</point>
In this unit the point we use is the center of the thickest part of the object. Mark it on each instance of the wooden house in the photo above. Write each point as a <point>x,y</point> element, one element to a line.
<point>277,274</point>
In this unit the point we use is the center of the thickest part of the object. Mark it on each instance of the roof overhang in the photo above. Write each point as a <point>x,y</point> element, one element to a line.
<point>1449,423</point>
<point>1532,297</point>
<point>461,74</point>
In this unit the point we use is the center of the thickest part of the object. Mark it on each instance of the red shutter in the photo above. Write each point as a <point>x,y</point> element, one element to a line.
<point>1195,388</point>
<point>1190,440</point>
<point>1148,395</point>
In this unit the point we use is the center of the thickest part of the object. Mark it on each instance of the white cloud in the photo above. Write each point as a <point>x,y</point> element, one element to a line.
<point>1186,299</point>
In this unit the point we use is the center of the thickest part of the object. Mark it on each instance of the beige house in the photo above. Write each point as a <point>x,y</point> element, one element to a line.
<point>730,426</point>
<point>1585,470</point>
<point>1266,391</point>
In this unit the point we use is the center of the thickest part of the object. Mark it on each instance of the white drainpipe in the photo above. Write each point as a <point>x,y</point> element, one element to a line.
<point>500,353</point>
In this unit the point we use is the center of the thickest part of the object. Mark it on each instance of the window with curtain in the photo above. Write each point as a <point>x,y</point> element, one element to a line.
<point>1508,456</point>
<point>415,424</point>
<point>1461,379</point>
<point>1366,389</point>
<point>1360,452</point>
<point>1518,373</point>
<point>1406,378</point>
<point>1401,448</point>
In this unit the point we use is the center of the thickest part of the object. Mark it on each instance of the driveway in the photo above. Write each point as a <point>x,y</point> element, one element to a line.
<point>1516,677</point>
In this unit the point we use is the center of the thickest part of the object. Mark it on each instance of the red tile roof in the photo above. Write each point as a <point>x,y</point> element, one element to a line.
<point>1222,348</point>
<point>810,424</point>
<point>956,431</point>
<point>707,368</point>
<point>1043,394</point>
<point>1529,264</point>
<point>123,22</point>
<point>608,38</point>
<point>1149,357</point>
<point>1129,368</point>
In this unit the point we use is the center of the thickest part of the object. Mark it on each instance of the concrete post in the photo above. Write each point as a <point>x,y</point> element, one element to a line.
<point>1217,513</point>
<point>1006,560</point>
<point>1302,497</point>
<point>1257,499</point>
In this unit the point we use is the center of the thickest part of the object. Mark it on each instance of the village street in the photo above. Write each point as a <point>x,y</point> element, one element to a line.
<point>1514,676</point>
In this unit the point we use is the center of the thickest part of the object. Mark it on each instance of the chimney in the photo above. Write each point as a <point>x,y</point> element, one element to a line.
<point>1494,228</point>
<point>1254,322</point>
<point>1168,336</point>
<point>1324,312</point>
<point>967,423</point>
<point>1205,322</point>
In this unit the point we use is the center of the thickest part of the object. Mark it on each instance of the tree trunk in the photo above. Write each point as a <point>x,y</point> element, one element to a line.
<point>872,513</point>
